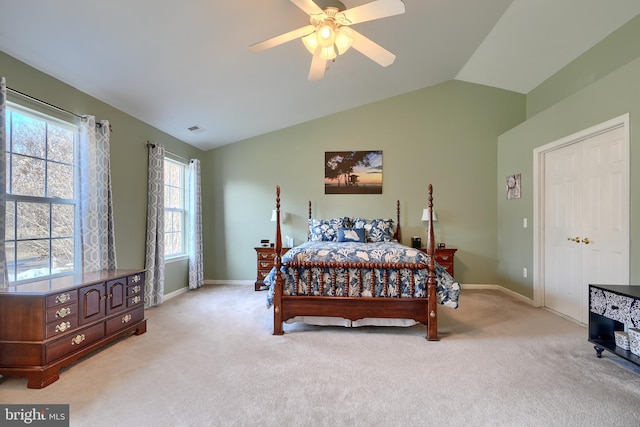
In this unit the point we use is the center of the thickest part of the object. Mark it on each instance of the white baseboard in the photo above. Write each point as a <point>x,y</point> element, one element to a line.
<point>229,282</point>
<point>174,294</point>
<point>501,289</point>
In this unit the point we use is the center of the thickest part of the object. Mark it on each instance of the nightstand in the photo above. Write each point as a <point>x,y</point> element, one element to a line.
<point>265,261</point>
<point>444,257</point>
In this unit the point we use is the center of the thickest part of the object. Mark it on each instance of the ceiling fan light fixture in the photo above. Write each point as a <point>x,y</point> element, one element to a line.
<point>328,53</point>
<point>343,40</point>
<point>326,34</point>
<point>310,42</point>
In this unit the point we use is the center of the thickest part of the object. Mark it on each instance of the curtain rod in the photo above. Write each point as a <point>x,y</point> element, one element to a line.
<point>152,145</point>
<point>45,103</point>
<point>33,98</point>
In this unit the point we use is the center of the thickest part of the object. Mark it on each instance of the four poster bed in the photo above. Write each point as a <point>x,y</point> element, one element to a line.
<point>355,270</point>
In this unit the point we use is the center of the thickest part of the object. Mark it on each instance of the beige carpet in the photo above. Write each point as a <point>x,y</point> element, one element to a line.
<point>209,359</point>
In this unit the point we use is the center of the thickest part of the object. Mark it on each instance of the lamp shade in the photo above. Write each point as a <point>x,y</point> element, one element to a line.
<point>283,216</point>
<point>425,215</point>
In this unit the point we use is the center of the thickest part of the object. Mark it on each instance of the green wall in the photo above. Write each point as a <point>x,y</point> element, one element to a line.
<point>444,135</point>
<point>588,103</point>
<point>618,49</point>
<point>128,158</point>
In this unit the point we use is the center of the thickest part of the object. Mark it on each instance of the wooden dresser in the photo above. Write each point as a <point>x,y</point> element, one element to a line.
<point>49,324</point>
<point>444,257</point>
<point>265,259</point>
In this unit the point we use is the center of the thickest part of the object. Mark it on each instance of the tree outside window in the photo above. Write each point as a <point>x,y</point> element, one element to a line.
<point>40,236</point>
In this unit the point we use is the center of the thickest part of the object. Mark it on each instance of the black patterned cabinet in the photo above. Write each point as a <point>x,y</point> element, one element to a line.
<point>611,307</point>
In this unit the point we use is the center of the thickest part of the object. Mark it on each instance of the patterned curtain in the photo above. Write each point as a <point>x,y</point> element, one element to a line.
<point>4,279</point>
<point>196,267</point>
<point>154,256</point>
<point>97,231</point>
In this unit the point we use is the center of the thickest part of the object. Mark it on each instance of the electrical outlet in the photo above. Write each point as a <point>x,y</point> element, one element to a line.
<point>524,272</point>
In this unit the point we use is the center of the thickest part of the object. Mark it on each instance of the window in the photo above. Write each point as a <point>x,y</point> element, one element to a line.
<point>40,236</point>
<point>175,214</point>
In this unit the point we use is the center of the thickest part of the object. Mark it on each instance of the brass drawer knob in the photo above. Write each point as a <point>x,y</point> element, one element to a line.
<point>63,298</point>
<point>78,339</point>
<point>126,319</point>
<point>63,312</point>
<point>63,326</point>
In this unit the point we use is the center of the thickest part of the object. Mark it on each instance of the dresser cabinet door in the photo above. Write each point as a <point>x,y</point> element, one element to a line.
<point>116,295</point>
<point>92,305</point>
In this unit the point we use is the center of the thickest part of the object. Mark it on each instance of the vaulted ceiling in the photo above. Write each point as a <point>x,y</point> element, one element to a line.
<point>179,64</point>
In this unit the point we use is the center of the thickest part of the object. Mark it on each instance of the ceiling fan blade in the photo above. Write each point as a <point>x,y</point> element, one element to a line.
<point>374,10</point>
<point>309,7</point>
<point>318,66</point>
<point>282,38</point>
<point>372,50</point>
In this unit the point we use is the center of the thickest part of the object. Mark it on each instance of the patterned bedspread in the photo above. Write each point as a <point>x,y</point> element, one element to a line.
<point>447,289</point>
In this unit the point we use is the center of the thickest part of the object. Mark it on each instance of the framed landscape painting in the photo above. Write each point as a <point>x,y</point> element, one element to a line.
<point>353,172</point>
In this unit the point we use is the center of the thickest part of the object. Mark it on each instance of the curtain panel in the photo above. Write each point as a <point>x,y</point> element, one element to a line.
<point>4,278</point>
<point>154,254</point>
<point>196,267</point>
<point>97,230</point>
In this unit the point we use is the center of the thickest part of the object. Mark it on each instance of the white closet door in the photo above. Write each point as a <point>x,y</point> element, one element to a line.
<point>586,220</point>
<point>605,225</point>
<point>563,226</point>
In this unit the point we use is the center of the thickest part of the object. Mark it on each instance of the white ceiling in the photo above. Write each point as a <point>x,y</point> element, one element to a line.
<point>175,64</point>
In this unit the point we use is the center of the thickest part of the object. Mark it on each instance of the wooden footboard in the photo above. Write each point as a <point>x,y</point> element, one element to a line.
<point>423,310</point>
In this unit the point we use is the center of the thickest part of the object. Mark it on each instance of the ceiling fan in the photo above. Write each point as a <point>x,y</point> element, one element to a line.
<point>329,33</point>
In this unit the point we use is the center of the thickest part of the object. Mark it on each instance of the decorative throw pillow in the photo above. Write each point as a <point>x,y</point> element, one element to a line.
<point>326,230</point>
<point>351,235</point>
<point>377,230</point>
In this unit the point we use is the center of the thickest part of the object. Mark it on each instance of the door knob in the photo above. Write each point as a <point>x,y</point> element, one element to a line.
<point>586,241</point>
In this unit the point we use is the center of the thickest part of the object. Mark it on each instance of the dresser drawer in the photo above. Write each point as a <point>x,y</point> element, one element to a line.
<point>611,305</point>
<point>135,290</point>
<point>266,255</point>
<point>67,311</point>
<point>124,320</point>
<point>62,298</point>
<point>263,273</point>
<point>73,342</point>
<point>59,327</point>
<point>448,266</point>
<point>265,264</point>
<point>135,300</point>
<point>136,279</point>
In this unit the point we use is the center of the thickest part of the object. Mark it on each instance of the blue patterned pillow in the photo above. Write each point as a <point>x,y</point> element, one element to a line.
<point>351,235</point>
<point>326,230</point>
<point>377,230</point>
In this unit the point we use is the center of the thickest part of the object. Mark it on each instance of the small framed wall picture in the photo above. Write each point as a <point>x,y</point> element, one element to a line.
<point>513,186</point>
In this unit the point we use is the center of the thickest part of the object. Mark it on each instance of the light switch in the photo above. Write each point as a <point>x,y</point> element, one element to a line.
<point>524,222</point>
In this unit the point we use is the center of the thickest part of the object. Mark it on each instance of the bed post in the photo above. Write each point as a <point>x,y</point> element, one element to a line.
<point>277,296</point>
<point>432,325</point>
<point>398,235</point>
<point>309,223</point>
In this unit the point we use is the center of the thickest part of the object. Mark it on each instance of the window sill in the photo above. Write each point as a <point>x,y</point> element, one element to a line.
<point>169,260</point>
